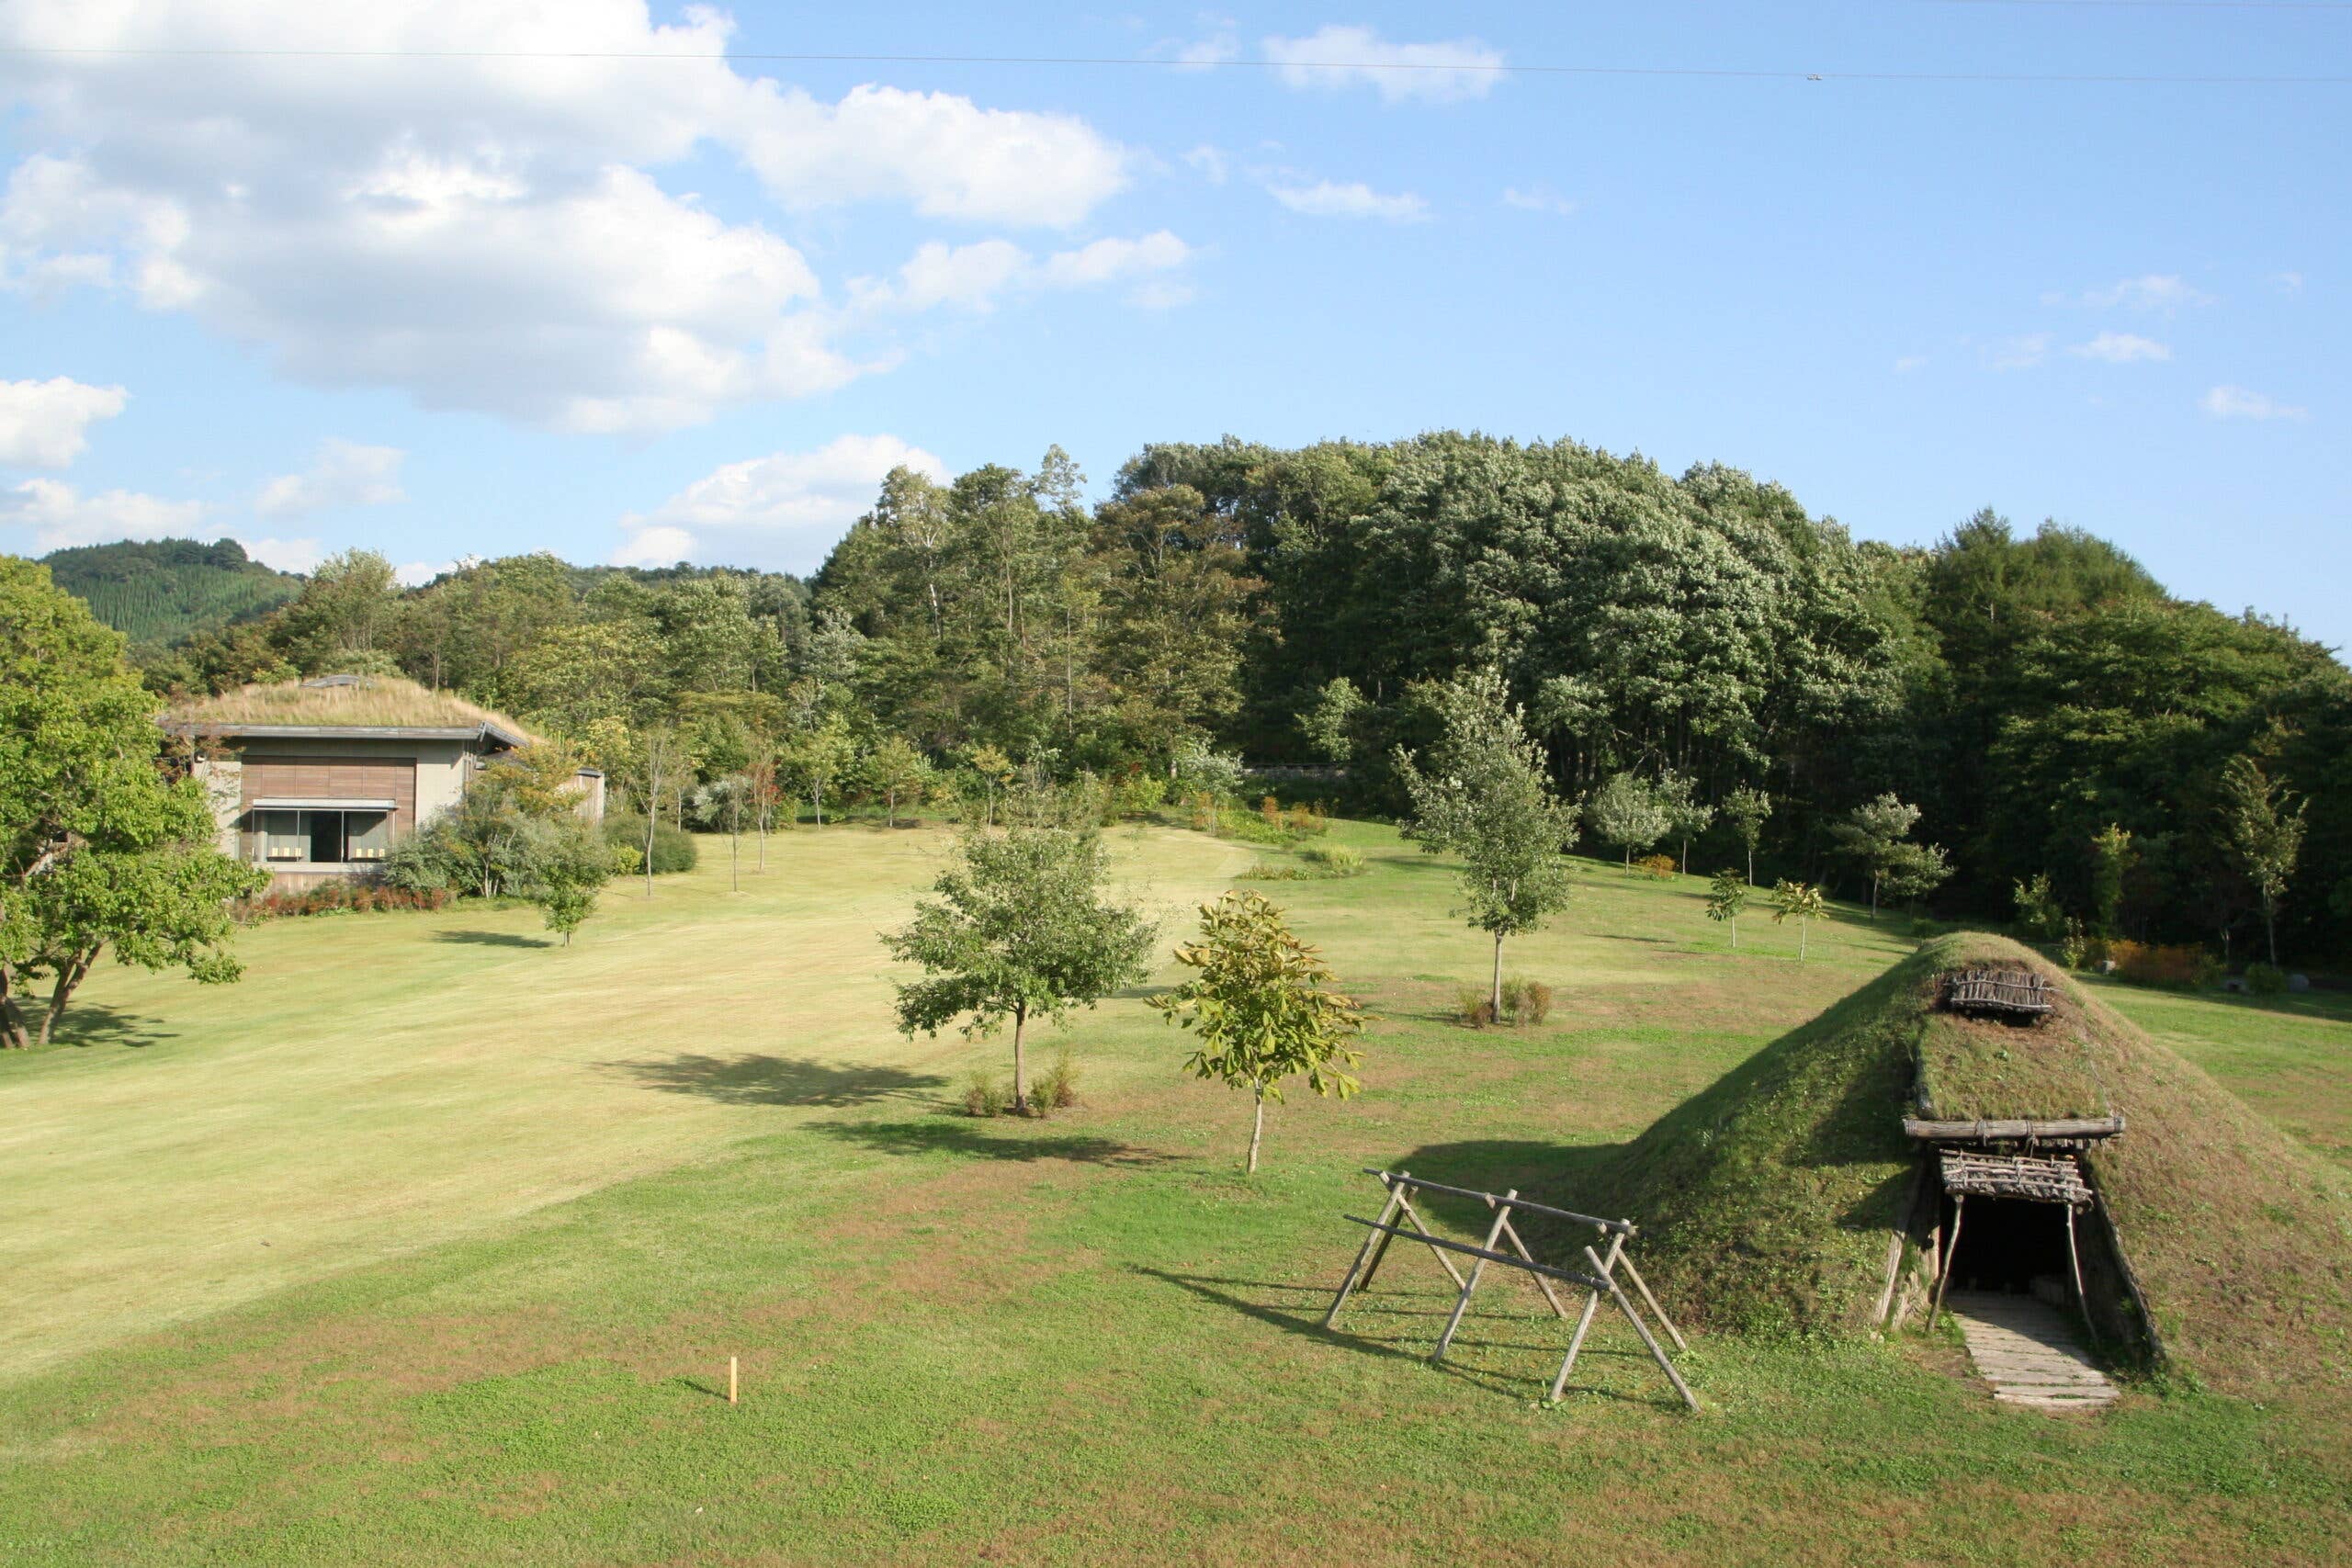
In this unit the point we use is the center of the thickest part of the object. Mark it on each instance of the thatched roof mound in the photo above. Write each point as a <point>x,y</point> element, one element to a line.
<point>1767,1200</point>
<point>354,702</point>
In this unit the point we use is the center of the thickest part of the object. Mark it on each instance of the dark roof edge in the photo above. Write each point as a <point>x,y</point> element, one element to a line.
<point>485,731</point>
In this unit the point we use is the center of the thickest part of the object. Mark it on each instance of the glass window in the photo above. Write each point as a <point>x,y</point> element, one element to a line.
<point>281,835</point>
<point>322,830</point>
<point>367,834</point>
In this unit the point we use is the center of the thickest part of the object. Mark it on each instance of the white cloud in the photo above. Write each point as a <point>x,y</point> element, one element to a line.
<point>2166,292</point>
<point>345,474</point>
<point>1209,162</point>
<point>417,574</point>
<point>45,424</point>
<point>784,510</point>
<point>2240,402</point>
<point>1328,198</point>
<point>2020,353</point>
<point>1215,50</point>
<point>60,515</point>
<point>975,278</point>
<point>1908,362</point>
<point>300,557</point>
<point>1538,198</point>
<point>1335,57</point>
<point>2120,348</point>
<point>481,230</point>
<point>2287,282</point>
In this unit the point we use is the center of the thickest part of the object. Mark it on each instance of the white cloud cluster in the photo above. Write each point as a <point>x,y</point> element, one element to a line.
<point>2158,291</point>
<point>2121,348</point>
<point>1538,198</point>
<point>782,511</point>
<point>300,557</point>
<point>978,276</point>
<point>345,474</point>
<point>2020,353</point>
<point>60,515</point>
<point>1335,57</point>
<point>45,424</point>
<point>420,206</point>
<point>2241,403</point>
<point>1329,198</point>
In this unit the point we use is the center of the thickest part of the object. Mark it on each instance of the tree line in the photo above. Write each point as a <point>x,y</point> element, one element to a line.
<point>1695,653</point>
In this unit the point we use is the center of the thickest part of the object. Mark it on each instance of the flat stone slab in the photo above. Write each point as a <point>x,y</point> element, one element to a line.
<point>2027,1350</point>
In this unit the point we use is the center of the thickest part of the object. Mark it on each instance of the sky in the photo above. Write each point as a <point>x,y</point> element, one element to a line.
<point>640,284</point>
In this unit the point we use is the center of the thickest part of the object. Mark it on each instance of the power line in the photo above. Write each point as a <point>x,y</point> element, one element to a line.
<point>1465,68</point>
<point>2167,4</point>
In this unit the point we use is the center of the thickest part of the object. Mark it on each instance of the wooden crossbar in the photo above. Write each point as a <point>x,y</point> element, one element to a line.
<point>1601,1280</point>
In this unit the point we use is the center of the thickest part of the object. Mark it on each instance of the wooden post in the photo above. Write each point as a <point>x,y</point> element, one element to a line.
<point>2074,1261</point>
<point>730,1380</point>
<point>1387,1216</point>
<point>1643,1285</point>
<point>1414,1214</point>
<point>1584,1320</point>
<point>1644,1330</point>
<point>1477,1270</point>
<point>1951,1256</point>
<point>1396,1184</point>
<point>1541,1283</point>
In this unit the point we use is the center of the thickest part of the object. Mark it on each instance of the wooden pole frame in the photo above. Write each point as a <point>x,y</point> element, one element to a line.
<point>1603,1279</point>
<point>1951,1256</point>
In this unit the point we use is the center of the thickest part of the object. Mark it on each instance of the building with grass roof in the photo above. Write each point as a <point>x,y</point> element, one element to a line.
<point>316,780</point>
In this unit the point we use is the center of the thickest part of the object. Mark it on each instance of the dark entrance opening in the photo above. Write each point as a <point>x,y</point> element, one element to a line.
<point>2011,1245</point>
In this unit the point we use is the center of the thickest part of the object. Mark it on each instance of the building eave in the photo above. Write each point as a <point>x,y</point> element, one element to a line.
<point>497,734</point>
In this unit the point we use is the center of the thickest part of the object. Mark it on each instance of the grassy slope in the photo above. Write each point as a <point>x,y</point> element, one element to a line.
<point>377,700</point>
<point>1082,1341</point>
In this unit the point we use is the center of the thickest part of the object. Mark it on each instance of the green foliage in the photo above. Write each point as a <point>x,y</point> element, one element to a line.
<point>566,865</point>
<point>899,774</point>
<point>2111,856</point>
<point>2263,833</point>
<point>1261,1005</point>
<point>1526,1001</point>
<point>1486,797</point>
<point>2037,911</point>
<point>1747,810</point>
<point>1727,896</point>
<point>1628,811</point>
<point>100,850</point>
<point>674,847</point>
<point>2264,979</point>
<point>1874,839</point>
<point>159,590</point>
<point>1333,860</point>
<point>1018,928</point>
<point>985,1095</point>
<point>1656,868</point>
<point>1333,723</point>
<point>1801,902</point>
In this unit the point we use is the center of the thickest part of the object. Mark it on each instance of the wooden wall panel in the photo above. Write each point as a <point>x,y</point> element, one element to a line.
<point>330,778</point>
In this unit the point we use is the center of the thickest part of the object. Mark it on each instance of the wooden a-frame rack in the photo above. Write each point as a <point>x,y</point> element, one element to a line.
<point>1601,1279</point>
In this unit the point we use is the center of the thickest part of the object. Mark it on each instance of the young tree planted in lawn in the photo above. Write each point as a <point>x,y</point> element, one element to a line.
<point>819,756</point>
<point>2111,856</point>
<point>1801,902</point>
<point>1687,816</point>
<point>1727,896</point>
<point>1746,811</point>
<point>1261,1007</point>
<point>568,863</point>
<point>99,848</point>
<point>1875,838</point>
<point>994,771</point>
<point>1020,930</point>
<point>898,770</point>
<point>1487,796</point>
<point>2265,836</point>
<point>1627,811</point>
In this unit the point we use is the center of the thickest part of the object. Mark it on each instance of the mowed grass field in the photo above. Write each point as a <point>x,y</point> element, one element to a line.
<point>429,1243</point>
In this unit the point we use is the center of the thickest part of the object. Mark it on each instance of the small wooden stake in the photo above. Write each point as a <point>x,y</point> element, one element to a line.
<point>1951,1256</point>
<point>730,1380</point>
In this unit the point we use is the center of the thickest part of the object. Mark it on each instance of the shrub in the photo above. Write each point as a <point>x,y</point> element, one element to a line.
<point>340,899</point>
<point>2038,913</point>
<point>2074,947</point>
<point>1472,1008</point>
<point>1526,1001</point>
<point>1252,827</point>
<point>1267,871</point>
<point>1201,811</point>
<point>1333,860</point>
<point>1139,795</point>
<point>1658,868</point>
<point>673,848</point>
<point>2264,979</point>
<point>1270,810</point>
<point>983,1096</point>
<point>1057,1088</point>
<point>1307,819</point>
<point>2179,967</point>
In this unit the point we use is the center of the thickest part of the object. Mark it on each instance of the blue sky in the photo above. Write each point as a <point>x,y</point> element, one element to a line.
<point>427,296</point>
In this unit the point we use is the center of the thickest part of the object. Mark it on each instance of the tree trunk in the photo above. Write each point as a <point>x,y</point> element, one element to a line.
<point>1874,899</point>
<point>1258,1129</point>
<point>70,976</point>
<point>1495,994</point>
<point>1804,930</point>
<point>1020,1072</point>
<point>14,1035</point>
<point>1734,933</point>
<point>648,854</point>
<point>2270,928</point>
<point>735,860</point>
<point>1686,857</point>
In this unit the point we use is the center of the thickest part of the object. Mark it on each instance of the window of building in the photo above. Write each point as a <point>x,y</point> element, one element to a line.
<point>322,837</point>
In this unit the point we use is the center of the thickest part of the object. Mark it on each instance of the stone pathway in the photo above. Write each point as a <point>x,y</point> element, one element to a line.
<point>2029,1352</point>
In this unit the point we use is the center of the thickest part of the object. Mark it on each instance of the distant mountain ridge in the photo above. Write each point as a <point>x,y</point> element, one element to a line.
<point>162,590</point>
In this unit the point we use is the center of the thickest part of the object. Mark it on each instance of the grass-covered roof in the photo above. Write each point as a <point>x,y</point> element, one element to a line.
<point>1769,1197</point>
<point>365,702</point>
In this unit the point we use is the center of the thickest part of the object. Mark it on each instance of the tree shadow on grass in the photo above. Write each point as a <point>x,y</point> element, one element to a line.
<point>754,1079</point>
<point>494,939</point>
<point>970,1137</point>
<point>86,1024</point>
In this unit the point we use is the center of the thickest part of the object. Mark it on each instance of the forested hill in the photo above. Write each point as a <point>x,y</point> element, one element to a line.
<point>162,590</point>
<point>2036,703</point>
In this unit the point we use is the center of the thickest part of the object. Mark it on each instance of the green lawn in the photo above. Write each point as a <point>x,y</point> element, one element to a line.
<point>427,1244</point>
